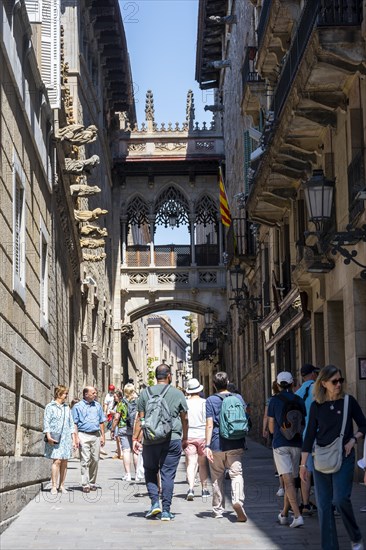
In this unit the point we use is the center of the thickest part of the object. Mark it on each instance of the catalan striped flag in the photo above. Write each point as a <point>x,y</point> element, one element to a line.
<point>224,206</point>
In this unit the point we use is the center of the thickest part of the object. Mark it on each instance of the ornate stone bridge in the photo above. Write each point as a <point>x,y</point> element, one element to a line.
<point>167,175</point>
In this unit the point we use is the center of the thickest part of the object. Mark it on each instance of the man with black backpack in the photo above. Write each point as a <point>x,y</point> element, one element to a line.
<point>162,412</point>
<point>286,421</point>
<point>226,427</point>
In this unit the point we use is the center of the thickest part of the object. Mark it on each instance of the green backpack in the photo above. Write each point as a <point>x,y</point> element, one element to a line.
<point>158,421</point>
<point>233,420</point>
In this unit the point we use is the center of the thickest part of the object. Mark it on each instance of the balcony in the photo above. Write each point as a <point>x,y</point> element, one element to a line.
<point>172,255</point>
<point>241,241</point>
<point>274,32</point>
<point>318,68</point>
<point>253,86</point>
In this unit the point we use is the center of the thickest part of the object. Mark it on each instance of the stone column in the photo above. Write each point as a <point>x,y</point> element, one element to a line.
<point>193,241</point>
<point>124,241</point>
<point>152,248</point>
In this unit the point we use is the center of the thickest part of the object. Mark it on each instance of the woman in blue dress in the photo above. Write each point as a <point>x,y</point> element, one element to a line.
<point>60,437</point>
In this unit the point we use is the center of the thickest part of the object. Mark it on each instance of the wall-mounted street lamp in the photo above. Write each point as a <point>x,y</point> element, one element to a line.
<point>319,193</point>
<point>242,299</point>
<point>180,367</point>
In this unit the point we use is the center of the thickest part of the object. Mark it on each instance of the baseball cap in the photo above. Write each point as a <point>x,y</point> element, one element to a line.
<point>285,377</point>
<point>308,368</point>
<point>111,388</point>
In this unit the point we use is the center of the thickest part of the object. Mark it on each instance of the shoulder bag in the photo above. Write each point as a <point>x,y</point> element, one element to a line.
<point>328,459</point>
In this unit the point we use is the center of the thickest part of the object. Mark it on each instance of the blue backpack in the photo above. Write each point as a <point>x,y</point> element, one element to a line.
<point>233,420</point>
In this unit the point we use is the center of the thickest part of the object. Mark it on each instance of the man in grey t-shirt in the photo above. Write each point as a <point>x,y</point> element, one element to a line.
<point>162,457</point>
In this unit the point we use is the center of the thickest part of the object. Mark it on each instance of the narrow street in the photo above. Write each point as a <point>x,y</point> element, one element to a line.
<point>114,516</point>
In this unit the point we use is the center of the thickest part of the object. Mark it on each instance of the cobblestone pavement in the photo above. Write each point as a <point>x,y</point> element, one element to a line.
<point>113,517</point>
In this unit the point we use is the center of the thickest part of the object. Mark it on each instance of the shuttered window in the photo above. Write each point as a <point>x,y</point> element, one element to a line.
<point>19,214</point>
<point>50,58</point>
<point>34,10</point>
<point>43,276</point>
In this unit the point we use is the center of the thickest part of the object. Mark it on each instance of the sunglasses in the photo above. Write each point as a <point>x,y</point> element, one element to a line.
<point>337,381</point>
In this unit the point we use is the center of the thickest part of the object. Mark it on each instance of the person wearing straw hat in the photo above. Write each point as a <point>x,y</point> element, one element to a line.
<point>195,447</point>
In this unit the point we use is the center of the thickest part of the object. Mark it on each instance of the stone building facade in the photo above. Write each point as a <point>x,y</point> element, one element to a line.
<point>165,345</point>
<point>293,108</point>
<point>62,78</point>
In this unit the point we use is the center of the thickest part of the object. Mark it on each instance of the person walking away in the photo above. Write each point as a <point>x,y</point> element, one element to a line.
<point>89,421</point>
<point>60,437</point>
<point>269,437</point>
<point>309,374</point>
<point>162,412</point>
<point>109,407</point>
<point>223,452</point>
<point>195,449</point>
<point>286,421</point>
<point>124,418</point>
<point>326,424</point>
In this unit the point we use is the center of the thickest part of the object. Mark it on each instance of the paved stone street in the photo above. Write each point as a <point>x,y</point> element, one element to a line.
<point>114,516</point>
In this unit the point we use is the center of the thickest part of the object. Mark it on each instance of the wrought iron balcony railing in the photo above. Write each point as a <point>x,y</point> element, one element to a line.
<point>331,13</point>
<point>263,20</point>
<point>248,72</point>
<point>241,239</point>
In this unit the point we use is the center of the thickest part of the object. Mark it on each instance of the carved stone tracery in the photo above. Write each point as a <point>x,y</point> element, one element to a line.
<point>206,211</point>
<point>138,212</point>
<point>171,202</point>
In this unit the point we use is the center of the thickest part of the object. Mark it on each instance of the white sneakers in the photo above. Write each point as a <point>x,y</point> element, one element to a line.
<point>282,519</point>
<point>280,492</point>
<point>126,477</point>
<point>296,522</point>
<point>358,545</point>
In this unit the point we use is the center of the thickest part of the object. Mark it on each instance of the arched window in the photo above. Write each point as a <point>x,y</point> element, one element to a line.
<point>171,208</point>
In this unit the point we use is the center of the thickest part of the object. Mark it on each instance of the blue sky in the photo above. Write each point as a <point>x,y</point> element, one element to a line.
<point>161,40</point>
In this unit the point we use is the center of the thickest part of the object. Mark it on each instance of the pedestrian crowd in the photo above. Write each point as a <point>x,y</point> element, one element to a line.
<point>311,432</point>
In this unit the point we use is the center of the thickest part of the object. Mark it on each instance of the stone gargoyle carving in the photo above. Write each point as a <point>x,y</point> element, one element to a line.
<point>77,134</point>
<point>89,229</point>
<point>91,243</point>
<point>94,257</point>
<point>78,166</point>
<point>127,331</point>
<point>88,215</point>
<point>84,190</point>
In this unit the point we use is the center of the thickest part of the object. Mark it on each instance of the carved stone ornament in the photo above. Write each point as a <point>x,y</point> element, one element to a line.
<point>94,257</point>
<point>84,190</point>
<point>170,146</point>
<point>91,243</point>
<point>77,134</point>
<point>149,106</point>
<point>77,166</point>
<point>127,331</point>
<point>88,215</point>
<point>89,229</point>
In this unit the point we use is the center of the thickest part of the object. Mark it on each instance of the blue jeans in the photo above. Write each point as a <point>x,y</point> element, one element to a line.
<point>164,457</point>
<point>336,489</point>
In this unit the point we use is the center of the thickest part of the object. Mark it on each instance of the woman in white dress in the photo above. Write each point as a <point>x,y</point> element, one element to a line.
<point>60,437</point>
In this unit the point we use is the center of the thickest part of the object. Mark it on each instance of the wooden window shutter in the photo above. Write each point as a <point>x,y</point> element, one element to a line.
<point>51,61</point>
<point>34,10</point>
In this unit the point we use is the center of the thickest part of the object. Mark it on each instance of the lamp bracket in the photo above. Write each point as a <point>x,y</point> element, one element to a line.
<point>339,240</point>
